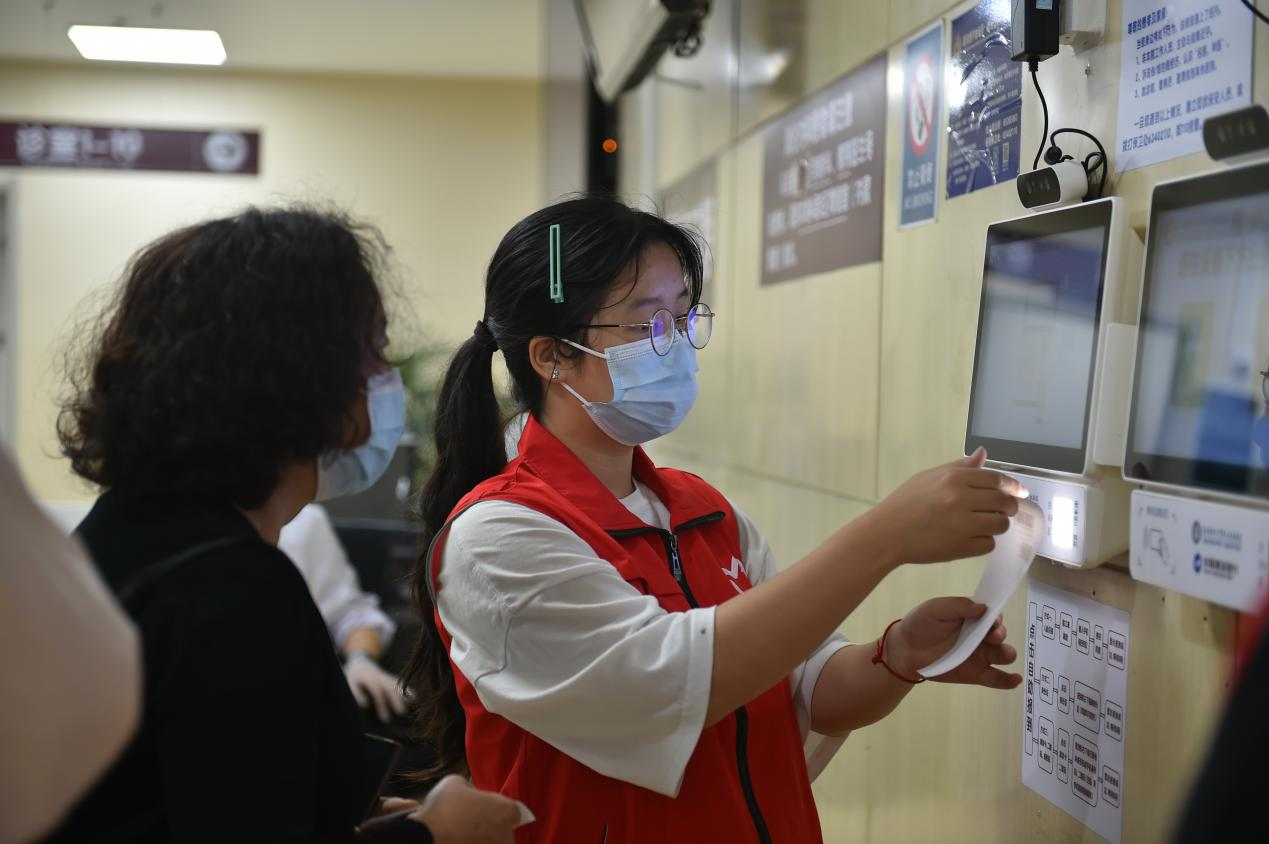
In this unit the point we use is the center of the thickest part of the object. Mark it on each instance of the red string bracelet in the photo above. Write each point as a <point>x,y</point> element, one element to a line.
<point>878,659</point>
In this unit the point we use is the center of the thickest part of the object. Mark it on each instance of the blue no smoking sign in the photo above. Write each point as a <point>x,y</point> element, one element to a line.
<point>922,100</point>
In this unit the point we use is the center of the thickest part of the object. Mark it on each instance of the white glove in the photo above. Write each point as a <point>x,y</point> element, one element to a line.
<point>371,684</point>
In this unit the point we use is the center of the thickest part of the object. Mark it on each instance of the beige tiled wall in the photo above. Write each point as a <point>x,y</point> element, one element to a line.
<point>820,395</point>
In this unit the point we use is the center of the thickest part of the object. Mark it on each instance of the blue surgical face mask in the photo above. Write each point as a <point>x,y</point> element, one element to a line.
<point>350,471</point>
<point>651,394</point>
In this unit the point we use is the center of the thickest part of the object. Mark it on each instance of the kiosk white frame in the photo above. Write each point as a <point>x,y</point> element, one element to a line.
<point>1087,511</point>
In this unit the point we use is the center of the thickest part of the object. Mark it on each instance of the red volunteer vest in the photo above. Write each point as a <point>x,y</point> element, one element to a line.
<point>747,779</point>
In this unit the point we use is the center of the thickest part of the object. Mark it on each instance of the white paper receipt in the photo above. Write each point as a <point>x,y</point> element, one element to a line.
<point>1006,567</point>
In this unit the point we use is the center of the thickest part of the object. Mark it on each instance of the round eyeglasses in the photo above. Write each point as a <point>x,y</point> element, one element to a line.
<point>697,325</point>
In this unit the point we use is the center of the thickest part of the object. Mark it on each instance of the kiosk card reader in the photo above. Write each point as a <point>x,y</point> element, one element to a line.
<point>1051,369</point>
<point>1198,435</point>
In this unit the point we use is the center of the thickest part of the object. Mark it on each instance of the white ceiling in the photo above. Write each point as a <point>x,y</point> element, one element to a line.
<point>468,38</point>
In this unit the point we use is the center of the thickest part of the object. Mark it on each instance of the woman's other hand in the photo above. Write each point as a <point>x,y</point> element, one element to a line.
<point>457,813</point>
<point>930,629</point>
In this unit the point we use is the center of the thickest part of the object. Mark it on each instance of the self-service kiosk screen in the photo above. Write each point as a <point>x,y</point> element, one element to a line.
<point>1038,320</point>
<point>1199,414</point>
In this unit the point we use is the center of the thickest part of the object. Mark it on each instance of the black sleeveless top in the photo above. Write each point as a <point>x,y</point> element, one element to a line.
<point>249,731</point>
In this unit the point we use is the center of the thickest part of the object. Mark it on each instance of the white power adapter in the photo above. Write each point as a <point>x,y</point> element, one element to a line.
<point>1082,23</point>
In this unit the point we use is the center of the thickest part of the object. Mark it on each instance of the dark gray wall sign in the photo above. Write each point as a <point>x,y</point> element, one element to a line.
<point>823,178</point>
<point>37,144</point>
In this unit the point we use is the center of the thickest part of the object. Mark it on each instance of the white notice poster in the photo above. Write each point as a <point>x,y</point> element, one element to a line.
<point>1182,62</point>
<point>1075,706</point>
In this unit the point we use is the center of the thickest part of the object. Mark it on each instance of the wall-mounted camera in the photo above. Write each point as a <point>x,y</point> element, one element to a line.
<point>1050,187</point>
<point>626,38</point>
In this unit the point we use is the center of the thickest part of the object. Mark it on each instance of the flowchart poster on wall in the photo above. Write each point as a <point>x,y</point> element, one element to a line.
<point>922,106</point>
<point>693,201</point>
<point>984,101</point>
<point>1075,706</point>
<point>1183,61</point>
<point>822,181</point>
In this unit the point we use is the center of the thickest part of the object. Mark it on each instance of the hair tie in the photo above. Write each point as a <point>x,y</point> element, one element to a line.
<point>484,335</point>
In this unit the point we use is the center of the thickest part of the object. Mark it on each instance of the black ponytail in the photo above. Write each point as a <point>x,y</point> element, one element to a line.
<point>469,449</point>
<point>601,237</point>
<point>468,431</point>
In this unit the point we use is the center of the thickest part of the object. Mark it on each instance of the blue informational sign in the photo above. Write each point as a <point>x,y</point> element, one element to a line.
<point>922,108</point>
<point>984,101</point>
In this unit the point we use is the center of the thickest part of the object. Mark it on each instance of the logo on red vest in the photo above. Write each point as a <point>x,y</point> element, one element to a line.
<point>734,574</point>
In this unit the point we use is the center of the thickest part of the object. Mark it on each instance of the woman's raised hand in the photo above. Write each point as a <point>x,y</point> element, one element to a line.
<point>948,512</point>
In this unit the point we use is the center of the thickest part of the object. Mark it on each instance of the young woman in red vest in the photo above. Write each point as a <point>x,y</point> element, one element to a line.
<point>613,645</point>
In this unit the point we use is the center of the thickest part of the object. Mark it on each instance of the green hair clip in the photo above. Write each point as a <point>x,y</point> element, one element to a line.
<point>557,282</point>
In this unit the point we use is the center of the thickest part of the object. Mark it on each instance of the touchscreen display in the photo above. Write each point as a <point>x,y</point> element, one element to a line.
<point>1037,339</point>
<point>1199,410</point>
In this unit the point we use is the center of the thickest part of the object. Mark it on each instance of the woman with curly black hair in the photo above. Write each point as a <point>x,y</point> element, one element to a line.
<point>239,374</point>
